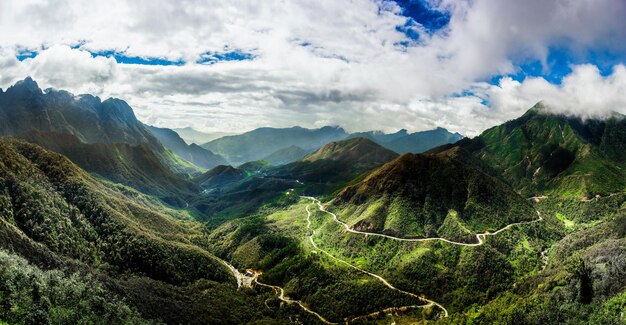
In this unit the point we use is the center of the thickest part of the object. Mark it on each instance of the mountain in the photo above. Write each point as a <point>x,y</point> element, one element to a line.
<point>192,153</point>
<point>220,176</point>
<point>422,141</point>
<point>255,167</point>
<point>448,194</point>
<point>102,251</point>
<point>58,204</point>
<point>404,142</point>
<point>286,155</point>
<point>336,163</point>
<point>544,153</point>
<point>357,151</point>
<point>24,107</point>
<point>191,135</point>
<point>260,143</point>
<point>132,165</point>
<point>379,136</point>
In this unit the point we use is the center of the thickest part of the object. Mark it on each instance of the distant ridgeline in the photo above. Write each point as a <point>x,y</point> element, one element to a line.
<point>281,146</point>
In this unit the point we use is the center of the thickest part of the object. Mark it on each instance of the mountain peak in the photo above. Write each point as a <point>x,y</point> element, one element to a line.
<point>119,108</point>
<point>355,149</point>
<point>26,85</point>
<point>332,128</point>
<point>402,132</point>
<point>427,187</point>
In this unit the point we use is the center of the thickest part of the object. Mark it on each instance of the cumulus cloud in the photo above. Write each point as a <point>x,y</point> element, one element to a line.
<point>584,92</point>
<point>317,62</point>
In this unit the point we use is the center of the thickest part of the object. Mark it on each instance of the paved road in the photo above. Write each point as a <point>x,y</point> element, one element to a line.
<point>480,237</point>
<point>428,303</point>
<point>251,276</point>
<point>282,297</point>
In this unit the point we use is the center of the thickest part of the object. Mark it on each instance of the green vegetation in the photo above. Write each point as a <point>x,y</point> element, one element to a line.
<point>413,195</point>
<point>34,296</point>
<point>150,256</point>
<point>277,244</point>
<point>541,153</point>
<point>132,165</point>
<point>583,283</point>
<point>135,241</point>
<point>220,176</point>
<point>334,165</point>
<point>192,153</point>
<point>286,155</point>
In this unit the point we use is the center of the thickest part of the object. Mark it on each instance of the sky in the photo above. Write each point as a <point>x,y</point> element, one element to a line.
<point>232,66</point>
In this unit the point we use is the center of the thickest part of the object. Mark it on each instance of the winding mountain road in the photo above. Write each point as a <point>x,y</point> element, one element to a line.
<point>248,280</point>
<point>428,302</point>
<point>282,297</point>
<point>480,237</point>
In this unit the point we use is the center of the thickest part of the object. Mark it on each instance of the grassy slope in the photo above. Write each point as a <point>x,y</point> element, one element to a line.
<point>502,281</point>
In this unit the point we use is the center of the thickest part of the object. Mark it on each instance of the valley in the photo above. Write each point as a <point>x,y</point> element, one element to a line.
<point>296,225</point>
<point>427,302</point>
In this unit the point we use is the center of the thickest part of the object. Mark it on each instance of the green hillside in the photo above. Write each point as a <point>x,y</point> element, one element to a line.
<point>286,155</point>
<point>59,217</point>
<point>542,153</point>
<point>335,164</point>
<point>431,195</point>
<point>55,203</point>
<point>220,176</point>
<point>136,166</point>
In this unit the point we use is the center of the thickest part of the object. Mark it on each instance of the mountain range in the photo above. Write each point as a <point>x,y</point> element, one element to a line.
<point>191,135</point>
<point>105,219</point>
<point>25,107</point>
<point>263,142</point>
<point>281,146</point>
<point>404,142</point>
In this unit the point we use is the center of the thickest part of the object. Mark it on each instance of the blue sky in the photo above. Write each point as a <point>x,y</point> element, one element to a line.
<point>415,64</point>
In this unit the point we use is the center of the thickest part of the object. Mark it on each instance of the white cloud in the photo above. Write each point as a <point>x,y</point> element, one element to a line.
<point>351,72</point>
<point>584,92</point>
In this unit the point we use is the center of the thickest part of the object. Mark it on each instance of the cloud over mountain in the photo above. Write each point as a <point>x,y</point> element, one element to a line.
<point>233,66</point>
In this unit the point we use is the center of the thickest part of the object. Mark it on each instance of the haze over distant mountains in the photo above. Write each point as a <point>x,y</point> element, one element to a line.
<point>417,142</point>
<point>192,152</point>
<point>24,107</point>
<point>191,135</point>
<point>288,144</point>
